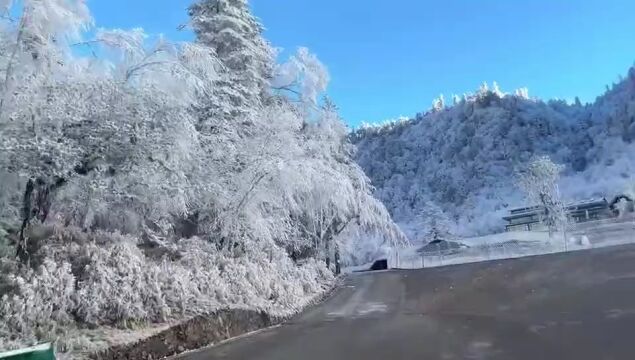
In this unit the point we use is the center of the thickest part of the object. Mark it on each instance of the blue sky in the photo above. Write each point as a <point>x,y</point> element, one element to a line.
<point>391,58</point>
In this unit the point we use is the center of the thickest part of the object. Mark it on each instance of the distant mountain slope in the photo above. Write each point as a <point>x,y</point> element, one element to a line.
<point>462,157</point>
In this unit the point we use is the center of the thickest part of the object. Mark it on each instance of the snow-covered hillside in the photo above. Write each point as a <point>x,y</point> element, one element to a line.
<point>462,157</point>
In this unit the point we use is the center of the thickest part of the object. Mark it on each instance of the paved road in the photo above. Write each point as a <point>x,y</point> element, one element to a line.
<point>565,306</point>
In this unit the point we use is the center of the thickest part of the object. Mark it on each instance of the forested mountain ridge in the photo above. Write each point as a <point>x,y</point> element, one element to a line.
<point>462,157</point>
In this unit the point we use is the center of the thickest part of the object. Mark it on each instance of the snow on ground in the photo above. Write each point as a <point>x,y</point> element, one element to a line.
<point>522,236</point>
<point>519,244</point>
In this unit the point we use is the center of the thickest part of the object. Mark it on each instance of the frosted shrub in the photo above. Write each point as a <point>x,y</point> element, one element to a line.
<point>289,286</point>
<point>198,273</point>
<point>43,301</point>
<point>311,271</point>
<point>119,284</point>
<point>111,282</point>
<point>115,285</point>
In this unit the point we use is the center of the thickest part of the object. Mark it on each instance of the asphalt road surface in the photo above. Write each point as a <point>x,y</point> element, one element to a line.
<point>565,306</point>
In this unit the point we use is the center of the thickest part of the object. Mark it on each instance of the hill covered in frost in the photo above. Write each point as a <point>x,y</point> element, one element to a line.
<point>462,157</point>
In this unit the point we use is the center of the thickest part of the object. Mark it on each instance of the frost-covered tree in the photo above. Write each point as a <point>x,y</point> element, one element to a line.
<point>438,104</point>
<point>522,93</point>
<point>235,36</point>
<point>31,44</point>
<point>109,137</point>
<point>496,90</point>
<point>339,199</point>
<point>434,223</point>
<point>33,57</point>
<point>456,99</point>
<point>539,181</point>
<point>303,77</point>
<point>483,89</point>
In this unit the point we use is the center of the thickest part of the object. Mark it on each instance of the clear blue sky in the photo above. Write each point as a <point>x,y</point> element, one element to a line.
<point>391,58</point>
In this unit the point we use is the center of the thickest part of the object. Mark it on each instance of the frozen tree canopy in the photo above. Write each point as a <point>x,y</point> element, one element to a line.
<point>303,75</point>
<point>464,158</point>
<point>540,179</point>
<point>434,223</point>
<point>234,35</point>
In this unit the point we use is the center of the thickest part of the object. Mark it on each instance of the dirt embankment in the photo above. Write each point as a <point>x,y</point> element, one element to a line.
<point>193,334</point>
<point>199,332</point>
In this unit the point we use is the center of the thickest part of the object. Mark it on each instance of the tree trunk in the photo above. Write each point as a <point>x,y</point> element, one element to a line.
<point>327,246</point>
<point>338,268</point>
<point>36,204</point>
